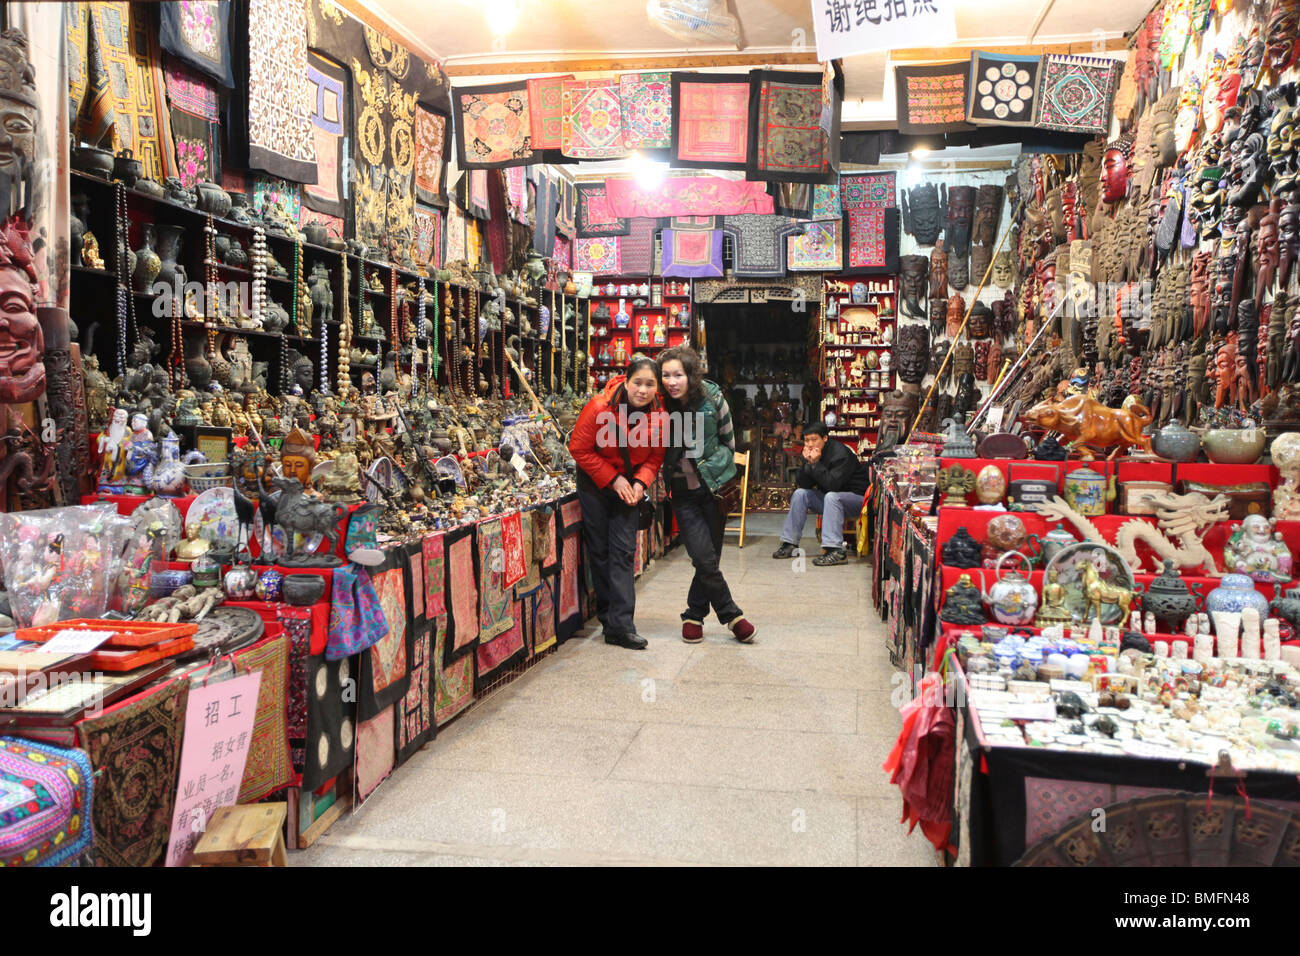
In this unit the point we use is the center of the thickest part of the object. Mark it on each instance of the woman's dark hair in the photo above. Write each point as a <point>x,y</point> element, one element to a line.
<point>817,428</point>
<point>693,367</point>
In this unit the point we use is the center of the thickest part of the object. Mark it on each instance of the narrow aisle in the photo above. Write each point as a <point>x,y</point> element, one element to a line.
<point>716,753</point>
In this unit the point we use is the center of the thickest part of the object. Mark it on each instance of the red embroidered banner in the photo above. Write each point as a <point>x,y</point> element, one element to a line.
<point>512,541</point>
<point>688,196</point>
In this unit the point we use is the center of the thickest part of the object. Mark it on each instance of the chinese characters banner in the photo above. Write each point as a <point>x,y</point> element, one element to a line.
<point>848,27</point>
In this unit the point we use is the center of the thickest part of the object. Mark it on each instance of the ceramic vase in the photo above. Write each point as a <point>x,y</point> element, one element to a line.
<point>147,262</point>
<point>1236,592</point>
<point>197,367</point>
<point>1176,442</point>
<point>169,250</point>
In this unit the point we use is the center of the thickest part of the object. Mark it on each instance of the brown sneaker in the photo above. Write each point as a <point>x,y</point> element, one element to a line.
<point>692,632</point>
<point>742,630</point>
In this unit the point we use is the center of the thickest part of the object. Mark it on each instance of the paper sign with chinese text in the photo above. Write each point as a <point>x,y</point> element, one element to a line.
<point>847,27</point>
<point>218,732</point>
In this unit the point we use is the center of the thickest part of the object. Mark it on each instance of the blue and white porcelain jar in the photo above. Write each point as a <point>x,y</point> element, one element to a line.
<point>1235,593</point>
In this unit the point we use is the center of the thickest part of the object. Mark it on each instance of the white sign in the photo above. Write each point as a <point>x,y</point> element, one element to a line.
<point>847,27</point>
<point>74,641</point>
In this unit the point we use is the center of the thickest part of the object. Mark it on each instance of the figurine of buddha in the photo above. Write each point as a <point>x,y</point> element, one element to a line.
<point>192,546</point>
<point>1052,610</point>
<point>962,603</point>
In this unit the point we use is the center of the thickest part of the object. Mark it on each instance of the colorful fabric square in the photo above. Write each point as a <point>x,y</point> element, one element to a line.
<point>463,592</point>
<point>297,624</point>
<point>453,688</point>
<point>503,651</point>
<point>571,515</point>
<point>435,569</point>
<point>455,234</point>
<point>492,126</point>
<point>331,720</point>
<point>268,767</point>
<point>551,559</point>
<point>327,84</point>
<point>477,203</point>
<point>569,614</point>
<point>494,595</point>
<point>692,254</point>
<point>710,121</point>
<point>693,223</point>
<point>517,194</point>
<point>115,83</point>
<point>594,216</point>
<point>196,133</point>
<point>512,547</point>
<point>1076,93</point>
<point>383,668</point>
<point>637,248</point>
<point>281,138</point>
<point>598,256</point>
<point>198,32</point>
<point>1003,89</point>
<point>563,255</point>
<point>414,724</point>
<point>819,249</point>
<point>427,248</point>
<point>871,241</point>
<point>431,153</point>
<point>356,613</point>
<point>791,127</point>
<point>932,99</point>
<point>375,752</point>
<point>868,191</point>
<point>277,192</point>
<point>758,244</point>
<point>687,195</point>
<point>647,100</point>
<point>1051,804</point>
<point>529,522</point>
<point>543,605</point>
<point>592,121</point>
<point>46,806</point>
<point>546,110</point>
<point>135,748</point>
<point>826,203</point>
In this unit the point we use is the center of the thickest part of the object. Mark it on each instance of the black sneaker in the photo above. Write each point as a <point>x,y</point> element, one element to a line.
<point>633,641</point>
<point>786,550</point>
<point>831,556</point>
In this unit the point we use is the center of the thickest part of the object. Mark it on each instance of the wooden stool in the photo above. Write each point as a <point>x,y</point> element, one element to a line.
<point>742,461</point>
<point>250,835</point>
<point>850,528</point>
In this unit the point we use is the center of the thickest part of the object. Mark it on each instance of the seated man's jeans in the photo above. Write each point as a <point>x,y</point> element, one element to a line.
<point>832,506</point>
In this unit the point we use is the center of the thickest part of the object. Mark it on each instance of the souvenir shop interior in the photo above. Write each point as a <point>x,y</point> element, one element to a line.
<point>304,298</point>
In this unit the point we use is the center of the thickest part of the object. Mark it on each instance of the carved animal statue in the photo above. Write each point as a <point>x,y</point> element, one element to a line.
<point>1097,592</point>
<point>298,514</point>
<point>1092,425</point>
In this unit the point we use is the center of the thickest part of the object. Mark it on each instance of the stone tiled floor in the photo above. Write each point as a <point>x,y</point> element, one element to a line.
<point>716,753</point>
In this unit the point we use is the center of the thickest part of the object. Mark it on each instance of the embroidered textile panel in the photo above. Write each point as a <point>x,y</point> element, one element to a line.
<point>297,624</point>
<point>758,244</point>
<point>1076,93</point>
<point>1003,90</point>
<point>647,100</point>
<point>462,591</point>
<point>819,249</point>
<point>431,148</point>
<point>268,767</point>
<point>492,126</point>
<point>594,216</point>
<point>375,753</point>
<point>546,110</point>
<point>503,651</point>
<point>514,566</point>
<point>281,141</point>
<point>826,203</point>
<point>453,683</point>
<point>494,594</point>
<point>196,133</point>
<point>543,606</point>
<point>598,256</point>
<point>932,99</point>
<point>532,562</point>
<point>427,248</point>
<point>135,748</point>
<point>46,803</point>
<point>688,195</point>
<point>563,253</point>
<point>328,83</point>
<point>198,32</point>
<point>692,254</point>
<point>331,720</point>
<point>637,248</point>
<point>456,251</point>
<point>868,190</point>
<point>592,120</point>
<point>871,241</point>
<point>710,120</point>
<point>435,569</point>
<point>384,677</point>
<point>793,125</point>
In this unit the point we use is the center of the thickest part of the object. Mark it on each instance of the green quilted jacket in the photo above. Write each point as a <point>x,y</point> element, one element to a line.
<point>716,462</point>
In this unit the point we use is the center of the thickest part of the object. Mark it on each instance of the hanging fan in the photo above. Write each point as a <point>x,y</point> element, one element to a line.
<point>700,20</point>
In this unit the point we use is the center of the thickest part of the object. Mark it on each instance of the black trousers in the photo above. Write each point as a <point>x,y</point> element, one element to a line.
<point>700,522</point>
<point>610,530</point>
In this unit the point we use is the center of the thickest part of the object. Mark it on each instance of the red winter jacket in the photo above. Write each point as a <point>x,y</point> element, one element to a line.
<point>596,438</point>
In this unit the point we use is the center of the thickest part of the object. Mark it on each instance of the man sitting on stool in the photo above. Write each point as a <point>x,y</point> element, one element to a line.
<point>832,482</point>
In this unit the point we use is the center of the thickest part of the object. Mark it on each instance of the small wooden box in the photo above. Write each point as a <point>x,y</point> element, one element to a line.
<point>1132,495</point>
<point>1251,498</point>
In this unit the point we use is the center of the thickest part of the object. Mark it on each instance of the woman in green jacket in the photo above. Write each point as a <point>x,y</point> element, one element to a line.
<point>699,461</point>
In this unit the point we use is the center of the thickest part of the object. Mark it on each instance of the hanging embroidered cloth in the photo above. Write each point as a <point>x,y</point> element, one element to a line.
<point>794,127</point>
<point>384,677</point>
<point>196,131</point>
<point>594,216</point>
<point>825,203</point>
<point>647,100</point>
<point>569,614</point>
<point>472,194</point>
<point>691,194</point>
<point>46,803</point>
<point>514,566</point>
<point>710,120</point>
<point>792,199</point>
<point>693,223</point>
<point>268,767</point>
<point>932,99</point>
<point>388,83</point>
<point>455,234</point>
<point>517,194</point>
<point>494,593</point>
<point>546,110</point>
<point>135,749</point>
<point>637,248</point>
<point>328,82</point>
<point>115,83</point>
<point>692,254</point>
<point>563,253</point>
<point>544,616</point>
<point>375,752</point>
<point>280,137</point>
<point>1076,93</point>
<point>430,156</point>
<point>819,249</point>
<point>435,569</point>
<point>566,223</point>
<point>600,257</point>
<point>592,121</point>
<point>462,591</point>
<point>502,652</point>
<point>356,614</point>
<point>198,32</point>
<point>493,128</point>
<point>427,248</point>
<point>331,720</point>
<point>297,624</point>
<point>544,216</point>
<point>414,718</point>
<point>871,241</point>
<point>867,190</point>
<point>1003,89</point>
<point>758,244</point>
<point>529,522</point>
<point>453,688</point>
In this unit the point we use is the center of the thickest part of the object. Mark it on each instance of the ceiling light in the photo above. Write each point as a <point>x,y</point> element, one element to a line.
<point>501,15</point>
<point>649,174</point>
<point>914,172</point>
<point>921,152</point>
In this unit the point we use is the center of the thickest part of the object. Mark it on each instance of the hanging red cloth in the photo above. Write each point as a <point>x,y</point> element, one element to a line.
<point>922,762</point>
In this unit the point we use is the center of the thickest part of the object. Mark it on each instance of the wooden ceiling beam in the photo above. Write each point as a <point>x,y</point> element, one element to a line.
<point>944,53</point>
<point>631,63</point>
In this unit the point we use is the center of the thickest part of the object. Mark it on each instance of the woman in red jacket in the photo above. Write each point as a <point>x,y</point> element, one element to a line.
<point>618,444</point>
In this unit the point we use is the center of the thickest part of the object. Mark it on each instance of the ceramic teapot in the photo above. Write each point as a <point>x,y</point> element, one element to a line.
<point>1012,598</point>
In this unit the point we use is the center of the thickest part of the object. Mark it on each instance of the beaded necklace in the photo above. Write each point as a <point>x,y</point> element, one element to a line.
<point>210,306</point>
<point>125,301</point>
<point>345,335</point>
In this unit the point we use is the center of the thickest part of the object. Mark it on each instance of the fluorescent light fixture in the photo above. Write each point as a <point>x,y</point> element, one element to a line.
<point>648,173</point>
